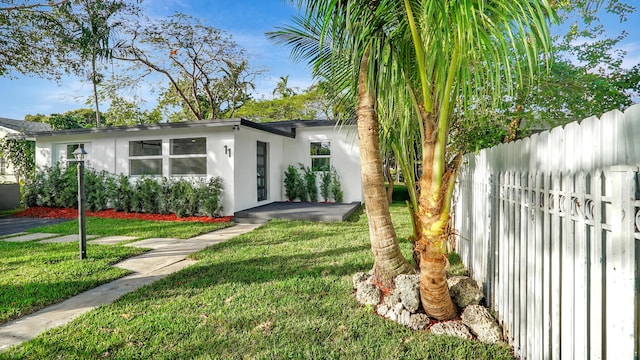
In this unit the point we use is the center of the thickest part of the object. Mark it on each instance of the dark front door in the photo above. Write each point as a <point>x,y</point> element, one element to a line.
<point>262,170</point>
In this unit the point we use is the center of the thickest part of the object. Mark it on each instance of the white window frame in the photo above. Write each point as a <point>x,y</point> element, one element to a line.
<point>61,150</point>
<point>311,156</point>
<point>173,157</point>
<point>146,157</point>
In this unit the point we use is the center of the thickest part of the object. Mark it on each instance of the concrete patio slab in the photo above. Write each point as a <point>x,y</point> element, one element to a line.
<point>30,237</point>
<point>112,240</point>
<point>67,239</point>
<point>306,211</point>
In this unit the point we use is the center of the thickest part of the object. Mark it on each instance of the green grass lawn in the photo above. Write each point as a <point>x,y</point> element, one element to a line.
<point>281,292</point>
<point>139,228</point>
<point>11,212</point>
<point>34,275</point>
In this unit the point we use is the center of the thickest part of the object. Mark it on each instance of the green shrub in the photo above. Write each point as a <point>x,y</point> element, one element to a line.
<point>120,193</point>
<point>32,189</point>
<point>291,178</point>
<point>336,188</point>
<point>210,194</point>
<point>146,196</point>
<point>325,185</point>
<point>51,183</point>
<point>301,186</point>
<point>95,190</point>
<point>165,195</point>
<point>68,188</point>
<point>58,187</point>
<point>184,199</point>
<point>311,187</point>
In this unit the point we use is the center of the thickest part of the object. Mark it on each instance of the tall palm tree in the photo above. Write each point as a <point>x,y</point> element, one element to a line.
<point>282,87</point>
<point>428,64</point>
<point>344,59</point>
<point>92,28</point>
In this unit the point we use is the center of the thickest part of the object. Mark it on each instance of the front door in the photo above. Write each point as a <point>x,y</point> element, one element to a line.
<point>262,170</point>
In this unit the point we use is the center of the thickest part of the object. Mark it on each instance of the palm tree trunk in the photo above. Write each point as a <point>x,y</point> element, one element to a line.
<point>431,219</point>
<point>388,260</point>
<point>94,80</point>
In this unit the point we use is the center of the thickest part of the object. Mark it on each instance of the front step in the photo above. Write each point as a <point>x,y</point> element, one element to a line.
<point>248,220</point>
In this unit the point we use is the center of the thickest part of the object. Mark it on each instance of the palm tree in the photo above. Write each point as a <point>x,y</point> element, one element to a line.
<point>350,72</point>
<point>428,64</point>
<point>92,28</point>
<point>282,87</point>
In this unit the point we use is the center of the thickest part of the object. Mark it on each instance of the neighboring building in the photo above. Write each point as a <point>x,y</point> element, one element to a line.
<point>250,157</point>
<point>11,127</point>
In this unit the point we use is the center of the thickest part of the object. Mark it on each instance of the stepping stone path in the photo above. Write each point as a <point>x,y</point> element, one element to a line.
<point>30,237</point>
<point>155,243</point>
<point>112,240</point>
<point>12,235</point>
<point>67,239</point>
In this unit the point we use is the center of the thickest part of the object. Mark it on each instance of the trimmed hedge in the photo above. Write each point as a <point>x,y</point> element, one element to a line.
<point>58,187</point>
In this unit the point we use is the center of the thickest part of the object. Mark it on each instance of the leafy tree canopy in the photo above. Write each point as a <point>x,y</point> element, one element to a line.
<point>312,103</point>
<point>208,74</point>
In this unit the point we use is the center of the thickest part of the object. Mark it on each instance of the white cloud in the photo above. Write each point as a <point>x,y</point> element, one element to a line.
<point>633,54</point>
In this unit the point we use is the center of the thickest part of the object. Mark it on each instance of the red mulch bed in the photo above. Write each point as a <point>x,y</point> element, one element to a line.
<point>66,213</point>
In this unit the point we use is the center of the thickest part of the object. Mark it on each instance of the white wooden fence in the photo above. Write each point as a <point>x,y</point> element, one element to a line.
<point>549,226</point>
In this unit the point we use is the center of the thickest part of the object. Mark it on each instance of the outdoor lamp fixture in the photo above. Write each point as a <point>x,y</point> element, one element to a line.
<point>80,154</point>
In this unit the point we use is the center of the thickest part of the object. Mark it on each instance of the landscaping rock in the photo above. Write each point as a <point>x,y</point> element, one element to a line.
<point>358,278</point>
<point>367,294</point>
<point>408,287</point>
<point>404,318</point>
<point>464,291</point>
<point>418,321</point>
<point>451,328</point>
<point>392,299</point>
<point>382,310</point>
<point>482,324</point>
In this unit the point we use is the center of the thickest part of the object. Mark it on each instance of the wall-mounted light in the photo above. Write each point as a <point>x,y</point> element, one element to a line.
<point>227,150</point>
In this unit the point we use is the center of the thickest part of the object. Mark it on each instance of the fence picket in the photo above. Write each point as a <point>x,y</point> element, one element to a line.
<point>548,227</point>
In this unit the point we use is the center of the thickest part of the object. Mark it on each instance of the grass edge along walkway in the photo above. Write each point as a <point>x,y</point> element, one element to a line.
<point>149,267</point>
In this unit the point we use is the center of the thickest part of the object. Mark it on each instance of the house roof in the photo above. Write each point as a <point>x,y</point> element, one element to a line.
<point>283,128</point>
<point>27,127</point>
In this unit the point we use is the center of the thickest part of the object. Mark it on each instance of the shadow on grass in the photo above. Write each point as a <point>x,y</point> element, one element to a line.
<point>267,269</point>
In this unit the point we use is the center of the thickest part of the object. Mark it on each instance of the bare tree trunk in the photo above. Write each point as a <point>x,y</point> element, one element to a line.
<point>388,260</point>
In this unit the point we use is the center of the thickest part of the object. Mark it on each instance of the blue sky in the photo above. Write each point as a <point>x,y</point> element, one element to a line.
<point>246,21</point>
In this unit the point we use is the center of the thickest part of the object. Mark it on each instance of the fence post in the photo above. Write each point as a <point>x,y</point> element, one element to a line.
<point>621,294</point>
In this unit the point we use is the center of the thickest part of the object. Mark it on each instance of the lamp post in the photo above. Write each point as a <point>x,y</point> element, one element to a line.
<point>80,154</point>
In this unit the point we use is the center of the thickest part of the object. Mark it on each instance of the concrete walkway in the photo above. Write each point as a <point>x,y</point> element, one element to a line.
<point>167,256</point>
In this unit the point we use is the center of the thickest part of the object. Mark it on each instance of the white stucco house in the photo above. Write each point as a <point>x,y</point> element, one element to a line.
<point>250,157</point>
<point>12,127</point>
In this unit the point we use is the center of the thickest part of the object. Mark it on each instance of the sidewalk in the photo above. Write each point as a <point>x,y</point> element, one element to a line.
<point>167,256</point>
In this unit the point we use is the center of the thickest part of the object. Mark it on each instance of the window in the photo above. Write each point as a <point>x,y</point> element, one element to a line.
<point>261,160</point>
<point>189,146</point>
<point>320,152</point>
<point>188,157</point>
<point>145,157</point>
<point>71,148</point>
<point>145,148</point>
<point>3,166</point>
